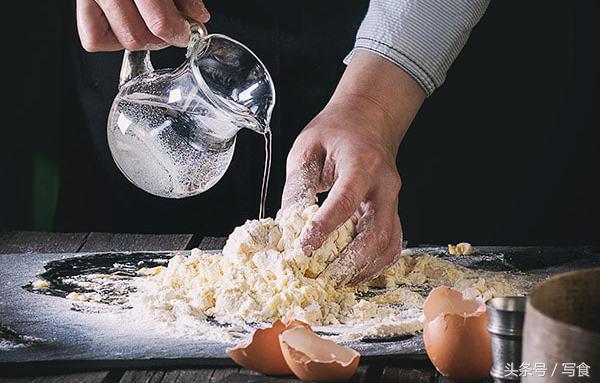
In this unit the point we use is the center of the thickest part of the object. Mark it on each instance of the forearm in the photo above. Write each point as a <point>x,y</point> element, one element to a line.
<point>422,37</point>
<point>381,90</point>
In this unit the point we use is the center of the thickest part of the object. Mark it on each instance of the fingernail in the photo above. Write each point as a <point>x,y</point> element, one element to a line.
<point>308,249</point>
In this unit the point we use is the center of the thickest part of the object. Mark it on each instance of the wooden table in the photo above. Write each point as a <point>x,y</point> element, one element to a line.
<point>24,242</point>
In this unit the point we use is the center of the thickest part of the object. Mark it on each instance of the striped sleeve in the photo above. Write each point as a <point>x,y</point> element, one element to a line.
<point>423,37</point>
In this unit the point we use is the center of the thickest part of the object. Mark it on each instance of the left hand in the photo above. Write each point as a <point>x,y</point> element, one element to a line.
<point>111,25</point>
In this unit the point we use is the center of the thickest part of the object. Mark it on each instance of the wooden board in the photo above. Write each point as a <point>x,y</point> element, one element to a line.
<point>103,340</point>
<point>12,242</point>
<point>557,259</point>
<point>27,242</point>
<point>136,242</point>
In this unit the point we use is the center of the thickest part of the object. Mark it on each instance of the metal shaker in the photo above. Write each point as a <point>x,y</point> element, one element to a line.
<point>505,325</point>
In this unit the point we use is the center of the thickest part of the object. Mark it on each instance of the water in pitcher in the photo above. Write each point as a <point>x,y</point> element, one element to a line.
<point>172,132</point>
<point>173,153</point>
<point>168,151</point>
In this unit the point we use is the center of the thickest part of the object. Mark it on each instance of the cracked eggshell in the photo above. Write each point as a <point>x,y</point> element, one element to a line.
<point>262,352</point>
<point>313,358</point>
<point>455,335</point>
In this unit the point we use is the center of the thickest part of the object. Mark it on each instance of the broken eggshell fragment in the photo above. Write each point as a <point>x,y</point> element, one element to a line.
<point>313,358</point>
<point>455,335</point>
<point>262,352</point>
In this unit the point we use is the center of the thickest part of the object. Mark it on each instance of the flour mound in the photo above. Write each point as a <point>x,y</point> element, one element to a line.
<point>262,275</point>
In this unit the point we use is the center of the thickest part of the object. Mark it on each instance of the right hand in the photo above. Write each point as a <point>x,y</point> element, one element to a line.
<point>112,25</point>
<point>350,150</point>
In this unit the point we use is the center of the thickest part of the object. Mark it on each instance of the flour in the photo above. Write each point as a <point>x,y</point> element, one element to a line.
<point>263,275</point>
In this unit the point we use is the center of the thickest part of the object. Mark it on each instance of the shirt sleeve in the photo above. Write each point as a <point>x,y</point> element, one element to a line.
<point>423,37</point>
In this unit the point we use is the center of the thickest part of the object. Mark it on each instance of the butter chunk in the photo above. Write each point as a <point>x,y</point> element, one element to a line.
<point>463,248</point>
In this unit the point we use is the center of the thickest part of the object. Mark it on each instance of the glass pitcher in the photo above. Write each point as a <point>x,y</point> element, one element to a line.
<point>172,132</point>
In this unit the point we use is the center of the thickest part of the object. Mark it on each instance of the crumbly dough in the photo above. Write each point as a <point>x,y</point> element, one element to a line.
<point>146,271</point>
<point>463,248</point>
<point>40,284</point>
<point>419,269</point>
<point>75,296</point>
<point>263,275</point>
<point>399,296</point>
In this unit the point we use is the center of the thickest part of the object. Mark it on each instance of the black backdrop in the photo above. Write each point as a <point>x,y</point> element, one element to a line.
<point>505,152</point>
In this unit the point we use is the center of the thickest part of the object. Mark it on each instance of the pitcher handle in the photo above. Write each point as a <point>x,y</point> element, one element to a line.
<point>134,64</point>
<point>197,33</point>
<point>197,29</point>
<point>138,62</point>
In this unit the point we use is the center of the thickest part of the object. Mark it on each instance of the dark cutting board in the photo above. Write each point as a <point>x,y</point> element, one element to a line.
<point>45,329</point>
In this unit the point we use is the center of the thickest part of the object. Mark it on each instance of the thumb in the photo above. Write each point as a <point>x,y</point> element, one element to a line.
<point>193,9</point>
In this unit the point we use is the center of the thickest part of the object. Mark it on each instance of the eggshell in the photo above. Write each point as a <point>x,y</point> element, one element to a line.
<point>262,352</point>
<point>313,358</point>
<point>455,334</point>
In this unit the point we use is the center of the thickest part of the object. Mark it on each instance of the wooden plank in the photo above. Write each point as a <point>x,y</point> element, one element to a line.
<point>207,375</point>
<point>86,377</point>
<point>223,375</point>
<point>20,242</point>
<point>23,242</point>
<point>229,375</point>
<point>216,375</point>
<point>12,242</point>
<point>187,376</point>
<point>443,379</point>
<point>136,242</point>
<point>408,375</point>
<point>241,375</point>
<point>212,243</point>
<point>365,374</point>
<point>142,376</point>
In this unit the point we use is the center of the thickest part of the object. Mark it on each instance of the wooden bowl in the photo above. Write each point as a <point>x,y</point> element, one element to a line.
<point>562,327</point>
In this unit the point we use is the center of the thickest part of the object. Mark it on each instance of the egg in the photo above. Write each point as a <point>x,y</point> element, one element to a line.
<point>313,358</point>
<point>262,352</point>
<point>455,335</point>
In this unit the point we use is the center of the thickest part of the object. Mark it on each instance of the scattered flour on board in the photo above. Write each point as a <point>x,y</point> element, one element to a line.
<point>262,275</point>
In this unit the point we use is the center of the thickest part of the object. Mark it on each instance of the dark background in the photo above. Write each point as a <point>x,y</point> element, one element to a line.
<point>505,152</point>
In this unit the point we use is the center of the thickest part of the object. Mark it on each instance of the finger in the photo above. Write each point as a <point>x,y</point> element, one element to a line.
<point>194,9</point>
<point>374,233</point>
<point>164,21</point>
<point>386,239</point>
<point>348,191</point>
<point>302,180</point>
<point>128,26</point>
<point>93,28</point>
<point>388,258</point>
<point>343,268</point>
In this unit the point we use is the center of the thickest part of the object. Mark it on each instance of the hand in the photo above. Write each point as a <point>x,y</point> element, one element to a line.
<point>340,152</point>
<point>350,150</point>
<point>111,25</point>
